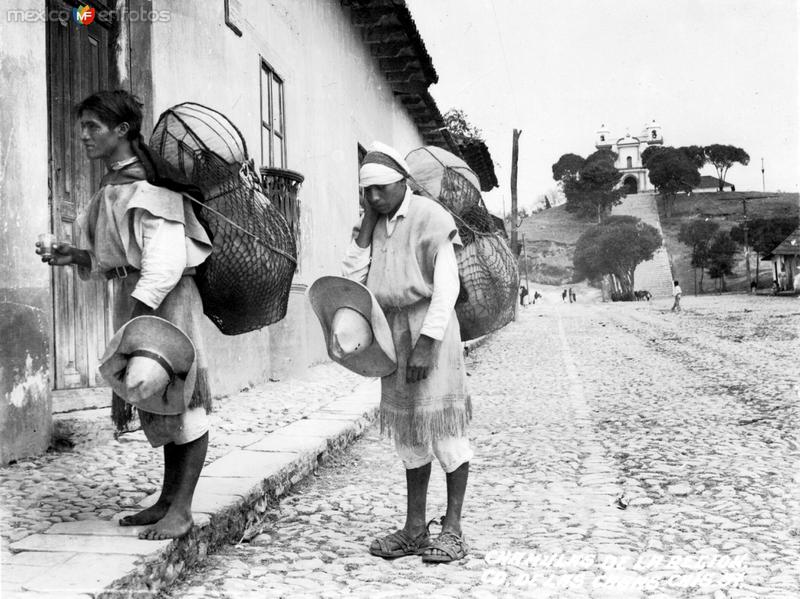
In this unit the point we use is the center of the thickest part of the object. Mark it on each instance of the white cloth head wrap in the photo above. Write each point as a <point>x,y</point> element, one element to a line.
<point>389,166</point>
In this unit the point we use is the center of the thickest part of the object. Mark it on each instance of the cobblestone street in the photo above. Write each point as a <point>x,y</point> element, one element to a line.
<point>621,451</point>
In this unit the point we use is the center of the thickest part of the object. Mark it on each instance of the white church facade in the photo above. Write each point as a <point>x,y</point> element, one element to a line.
<point>629,155</point>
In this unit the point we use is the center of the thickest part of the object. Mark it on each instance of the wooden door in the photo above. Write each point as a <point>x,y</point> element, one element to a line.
<point>78,59</point>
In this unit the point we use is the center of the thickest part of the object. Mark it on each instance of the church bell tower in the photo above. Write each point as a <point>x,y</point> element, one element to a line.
<point>653,134</point>
<point>603,139</point>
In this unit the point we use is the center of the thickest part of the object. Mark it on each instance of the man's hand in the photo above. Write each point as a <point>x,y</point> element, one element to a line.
<point>141,309</point>
<point>420,361</point>
<point>63,254</point>
<point>368,222</point>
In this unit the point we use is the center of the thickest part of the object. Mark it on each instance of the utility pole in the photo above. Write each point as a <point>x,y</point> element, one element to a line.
<point>763,181</point>
<point>745,227</point>
<point>525,262</point>
<point>514,159</point>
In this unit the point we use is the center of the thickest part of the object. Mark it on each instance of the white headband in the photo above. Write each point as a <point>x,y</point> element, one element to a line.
<point>377,174</point>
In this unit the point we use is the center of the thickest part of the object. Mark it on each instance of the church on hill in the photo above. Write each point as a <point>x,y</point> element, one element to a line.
<point>629,155</point>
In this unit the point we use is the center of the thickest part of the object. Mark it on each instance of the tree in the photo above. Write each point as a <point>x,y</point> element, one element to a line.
<point>764,235</point>
<point>697,234</point>
<point>671,171</point>
<point>650,152</point>
<point>567,167</point>
<point>723,157</point>
<point>720,256</point>
<point>459,126</point>
<point>603,155</point>
<point>594,190</point>
<point>695,154</point>
<point>615,247</point>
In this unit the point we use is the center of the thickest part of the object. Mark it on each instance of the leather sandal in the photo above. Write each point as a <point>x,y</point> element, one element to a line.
<point>453,547</point>
<point>399,544</point>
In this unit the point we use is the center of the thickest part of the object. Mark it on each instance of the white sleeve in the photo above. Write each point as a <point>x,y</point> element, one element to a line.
<point>163,259</point>
<point>355,265</point>
<point>445,292</point>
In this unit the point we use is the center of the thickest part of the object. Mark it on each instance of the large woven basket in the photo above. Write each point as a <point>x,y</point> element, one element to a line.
<point>489,282</point>
<point>245,283</point>
<point>486,267</point>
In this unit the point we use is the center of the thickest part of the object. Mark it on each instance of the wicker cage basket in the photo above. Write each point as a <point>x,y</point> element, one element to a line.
<point>246,280</point>
<point>487,268</point>
<point>489,282</point>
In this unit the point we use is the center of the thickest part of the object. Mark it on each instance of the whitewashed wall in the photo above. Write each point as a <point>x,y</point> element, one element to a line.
<point>335,98</point>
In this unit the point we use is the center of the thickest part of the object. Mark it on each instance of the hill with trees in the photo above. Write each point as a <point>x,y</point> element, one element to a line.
<point>551,236</point>
<point>769,216</point>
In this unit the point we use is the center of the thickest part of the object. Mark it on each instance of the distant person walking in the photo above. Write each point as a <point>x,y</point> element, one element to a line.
<point>523,293</point>
<point>572,296</point>
<point>564,295</point>
<point>676,292</point>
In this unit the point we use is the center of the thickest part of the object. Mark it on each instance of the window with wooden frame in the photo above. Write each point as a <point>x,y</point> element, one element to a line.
<point>273,121</point>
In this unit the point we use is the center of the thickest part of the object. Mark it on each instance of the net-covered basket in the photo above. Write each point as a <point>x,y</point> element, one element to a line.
<point>444,177</point>
<point>489,282</point>
<point>245,283</point>
<point>486,266</point>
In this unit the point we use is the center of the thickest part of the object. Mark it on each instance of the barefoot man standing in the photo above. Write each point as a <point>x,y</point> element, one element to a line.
<point>146,238</point>
<point>404,252</point>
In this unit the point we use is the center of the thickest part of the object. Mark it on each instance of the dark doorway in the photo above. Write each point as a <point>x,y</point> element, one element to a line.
<point>631,185</point>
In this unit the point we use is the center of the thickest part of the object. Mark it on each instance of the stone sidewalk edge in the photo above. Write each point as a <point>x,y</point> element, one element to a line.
<point>232,495</point>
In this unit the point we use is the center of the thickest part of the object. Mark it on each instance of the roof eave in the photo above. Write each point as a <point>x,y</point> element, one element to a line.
<point>391,34</point>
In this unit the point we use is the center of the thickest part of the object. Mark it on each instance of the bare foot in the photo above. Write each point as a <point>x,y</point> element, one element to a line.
<point>171,526</point>
<point>149,515</point>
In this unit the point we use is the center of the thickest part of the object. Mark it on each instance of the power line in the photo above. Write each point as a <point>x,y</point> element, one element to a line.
<point>509,80</point>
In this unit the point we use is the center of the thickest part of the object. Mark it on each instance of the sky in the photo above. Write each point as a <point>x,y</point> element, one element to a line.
<point>707,71</point>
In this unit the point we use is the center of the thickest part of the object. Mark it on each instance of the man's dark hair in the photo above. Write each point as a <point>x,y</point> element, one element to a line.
<point>114,107</point>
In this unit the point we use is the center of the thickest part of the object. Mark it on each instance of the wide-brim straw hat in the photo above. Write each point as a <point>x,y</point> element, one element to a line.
<point>357,334</point>
<point>150,363</point>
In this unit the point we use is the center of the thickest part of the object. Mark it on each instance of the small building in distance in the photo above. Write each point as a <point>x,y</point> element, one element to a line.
<point>786,263</point>
<point>709,184</point>
<point>629,155</point>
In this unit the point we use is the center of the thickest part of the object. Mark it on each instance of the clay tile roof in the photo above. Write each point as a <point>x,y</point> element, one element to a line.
<point>789,246</point>
<point>477,156</point>
<point>388,28</point>
<point>707,181</point>
<point>389,31</point>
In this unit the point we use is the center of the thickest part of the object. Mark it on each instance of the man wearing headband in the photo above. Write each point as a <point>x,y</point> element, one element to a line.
<point>404,252</point>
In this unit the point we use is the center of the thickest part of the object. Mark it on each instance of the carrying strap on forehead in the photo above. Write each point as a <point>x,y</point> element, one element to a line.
<point>375,157</point>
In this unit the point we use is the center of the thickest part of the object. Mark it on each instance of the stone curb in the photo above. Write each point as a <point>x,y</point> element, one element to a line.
<point>97,558</point>
<point>476,343</point>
